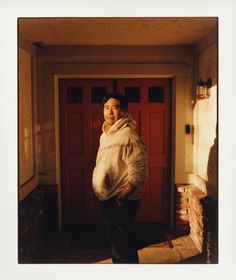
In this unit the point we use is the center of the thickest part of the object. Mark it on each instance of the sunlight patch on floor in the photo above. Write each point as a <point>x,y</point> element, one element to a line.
<point>169,252</point>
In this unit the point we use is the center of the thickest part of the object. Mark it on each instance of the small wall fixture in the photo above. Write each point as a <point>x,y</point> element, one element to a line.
<point>203,89</point>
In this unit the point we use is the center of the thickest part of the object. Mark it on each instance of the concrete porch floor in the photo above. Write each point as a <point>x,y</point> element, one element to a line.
<point>179,250</point>
<point>160,247</point>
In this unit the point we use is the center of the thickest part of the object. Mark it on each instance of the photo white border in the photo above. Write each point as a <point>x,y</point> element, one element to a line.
<point>10,10</point>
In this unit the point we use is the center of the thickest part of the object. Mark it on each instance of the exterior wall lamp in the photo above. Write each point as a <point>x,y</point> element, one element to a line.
<point>203,89</point>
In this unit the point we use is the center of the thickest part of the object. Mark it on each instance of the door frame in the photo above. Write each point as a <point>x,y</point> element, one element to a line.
<point>178,74</point>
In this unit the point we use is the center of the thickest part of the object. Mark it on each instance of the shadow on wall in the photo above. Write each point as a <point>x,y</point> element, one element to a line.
<point>212,172</point>
<point>210,208</point>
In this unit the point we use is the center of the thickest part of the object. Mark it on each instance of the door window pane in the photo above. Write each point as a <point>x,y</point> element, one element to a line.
<point>132,94</point>
<point>74,95</point>
<point>156,95</point>
<point>97,94</point>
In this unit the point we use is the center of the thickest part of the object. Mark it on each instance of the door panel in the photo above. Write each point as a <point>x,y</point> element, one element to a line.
<point>74,139</point>
<point>156,179</point>
<point>156,144</point>
<point>81,119</point>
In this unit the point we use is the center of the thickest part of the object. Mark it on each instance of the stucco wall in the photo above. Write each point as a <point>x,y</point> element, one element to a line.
<point>26,160</point>
<point>28,140</point>
<point>205,126</point>
<point>176,62</point>
<point>192,154</point>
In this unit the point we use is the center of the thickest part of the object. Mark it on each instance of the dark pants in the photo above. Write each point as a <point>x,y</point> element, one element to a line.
<point>119,221</point>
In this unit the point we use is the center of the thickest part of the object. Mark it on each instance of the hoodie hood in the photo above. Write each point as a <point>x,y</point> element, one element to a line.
<point>125,121</point>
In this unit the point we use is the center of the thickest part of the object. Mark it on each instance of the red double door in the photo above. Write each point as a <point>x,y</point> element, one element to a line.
<point>81,118</point>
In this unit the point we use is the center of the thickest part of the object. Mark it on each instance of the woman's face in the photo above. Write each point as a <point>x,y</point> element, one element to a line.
<point>112,111</point>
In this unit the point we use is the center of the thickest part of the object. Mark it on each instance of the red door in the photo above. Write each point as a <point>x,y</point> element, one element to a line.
<point>149,103</point>
<point>81,119</point>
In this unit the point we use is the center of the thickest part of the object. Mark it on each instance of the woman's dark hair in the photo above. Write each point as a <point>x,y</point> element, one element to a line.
<point>118,96</point>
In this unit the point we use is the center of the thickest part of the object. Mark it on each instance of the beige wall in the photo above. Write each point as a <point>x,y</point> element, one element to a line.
<point>191,153</point>
<point>176,62</point>
<point>28,175</point>
<point>205,121</point>
<point>26,163</point>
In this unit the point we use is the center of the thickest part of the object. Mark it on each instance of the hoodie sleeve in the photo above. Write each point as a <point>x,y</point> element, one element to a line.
<point>135,157</point>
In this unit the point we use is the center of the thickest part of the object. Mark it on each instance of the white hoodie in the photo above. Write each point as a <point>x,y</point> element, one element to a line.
<point>121,158</point>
